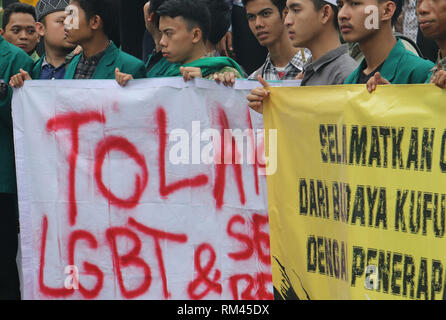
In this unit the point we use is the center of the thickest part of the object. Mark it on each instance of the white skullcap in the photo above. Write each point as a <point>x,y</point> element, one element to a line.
<point>333,2</point>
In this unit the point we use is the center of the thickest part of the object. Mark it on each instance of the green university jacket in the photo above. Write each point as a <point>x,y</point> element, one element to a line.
<point>159,69</point>
<point>400,67</point>
<point>112,59</point>
<point>12,59</point>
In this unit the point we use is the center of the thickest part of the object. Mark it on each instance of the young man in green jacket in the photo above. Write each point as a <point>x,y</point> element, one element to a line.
<point>12,59</point>
<point>189,23</point>
<point>386,59</point>
<point>100,57</point>
<point>58,51</point>
<point>19,28</point>
<point>185,26</point>
<point>156,65</point>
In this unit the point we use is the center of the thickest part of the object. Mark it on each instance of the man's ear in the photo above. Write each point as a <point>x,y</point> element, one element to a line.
<point>197,35</point>
<point>96,22</point>
<point>388,10</point>
<point>326,13</point>
<point>40,29</point>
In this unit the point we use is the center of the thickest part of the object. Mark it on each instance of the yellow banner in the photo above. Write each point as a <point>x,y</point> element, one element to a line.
<point>357,204</point>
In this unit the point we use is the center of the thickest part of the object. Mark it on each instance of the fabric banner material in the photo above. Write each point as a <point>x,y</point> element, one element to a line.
<point>357,205</point>
<point>141,192</point>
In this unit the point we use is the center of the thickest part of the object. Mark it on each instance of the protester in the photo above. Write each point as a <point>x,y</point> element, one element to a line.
<point>240,43</point>
<point>313,24</point>
<point>58,51</point>
<point>432,19</point>
<point>220,22</point>
<point>184,29</point>
<point>12,59</point>
<point>385,58</point>
<point>19,28</point>
<point>407,25</point>
<point>266,20</point>
<point>100,56</point>
<point>156,65</point>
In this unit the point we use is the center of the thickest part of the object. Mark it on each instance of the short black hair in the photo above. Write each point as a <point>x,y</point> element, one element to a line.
<point>280,4</point>
<point>220,19</point>
<point>153,7</point>
<point>398,9</point>
<point>194,12</point>
<point>319,4</point>
<point>17,7</point>
<point>105,9</point>
<point>155,4</point>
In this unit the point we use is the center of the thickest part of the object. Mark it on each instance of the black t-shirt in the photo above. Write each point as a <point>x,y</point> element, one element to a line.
<point>154,59</point>
<point>363,78</point>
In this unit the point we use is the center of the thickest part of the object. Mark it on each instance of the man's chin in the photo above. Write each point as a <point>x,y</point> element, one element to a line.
<point>264,43</point>
<point>350,39</point>
<point>297,44</point>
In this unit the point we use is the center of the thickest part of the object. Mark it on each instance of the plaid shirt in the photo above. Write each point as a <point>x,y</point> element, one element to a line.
<point>441,65</point>
<point>292,69</point>
<point>86,67</point>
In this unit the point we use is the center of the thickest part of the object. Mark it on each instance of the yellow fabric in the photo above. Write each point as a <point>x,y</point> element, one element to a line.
<point>305,119</point>
<point>31,2</point>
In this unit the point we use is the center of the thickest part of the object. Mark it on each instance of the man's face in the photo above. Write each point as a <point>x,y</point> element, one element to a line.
<point>432,18</point>
<point>177,41</point>
<point>264,21</point>
<point>21,31</point>
<point>356,21</point>
<point>302,22</point>
<point>54,31</point>
<point>77,34</point>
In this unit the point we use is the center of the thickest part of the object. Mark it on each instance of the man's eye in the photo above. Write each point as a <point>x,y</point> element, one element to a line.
<point>266,14</point>
<point>250,17</point>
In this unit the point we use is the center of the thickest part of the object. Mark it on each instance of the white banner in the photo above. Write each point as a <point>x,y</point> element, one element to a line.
<point>124,193</point>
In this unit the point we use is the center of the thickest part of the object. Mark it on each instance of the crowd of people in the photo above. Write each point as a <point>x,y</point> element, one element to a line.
<point>320,42</point>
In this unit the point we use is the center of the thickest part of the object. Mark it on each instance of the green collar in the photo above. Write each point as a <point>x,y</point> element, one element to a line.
<point>4,46</point>
<point>390,66</point>
<point>208,66</point>
<point>107,60</point>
